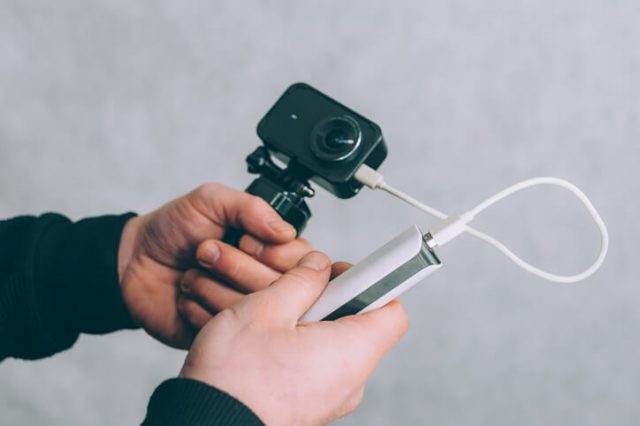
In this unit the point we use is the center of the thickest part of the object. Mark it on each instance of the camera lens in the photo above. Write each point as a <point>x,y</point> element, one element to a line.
<point>339,140</point>
<point>336,138</point>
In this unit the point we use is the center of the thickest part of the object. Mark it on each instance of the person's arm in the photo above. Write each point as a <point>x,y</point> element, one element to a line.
<point>58,279</point>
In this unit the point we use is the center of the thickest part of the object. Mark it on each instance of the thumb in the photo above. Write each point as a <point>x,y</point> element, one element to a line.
<point>294,292</point>
<point>382,327</point>
<point>229,207</point>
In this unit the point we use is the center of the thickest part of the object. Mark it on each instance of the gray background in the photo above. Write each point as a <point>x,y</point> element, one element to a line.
<point>109,106</point>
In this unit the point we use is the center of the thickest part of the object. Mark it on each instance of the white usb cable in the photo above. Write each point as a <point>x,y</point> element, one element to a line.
<point>453,225</point>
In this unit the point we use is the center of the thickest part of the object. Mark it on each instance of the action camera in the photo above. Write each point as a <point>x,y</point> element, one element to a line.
<point>326,140</point>
<point>309,136</point>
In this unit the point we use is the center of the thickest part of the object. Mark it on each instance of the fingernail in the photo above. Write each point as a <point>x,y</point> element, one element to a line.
<point>209,254</point>
<point>252,246</point>
<point>280,226</point>
<point>315,261</point>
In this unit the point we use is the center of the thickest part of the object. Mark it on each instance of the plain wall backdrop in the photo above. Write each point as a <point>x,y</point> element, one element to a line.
<point>112,106</point>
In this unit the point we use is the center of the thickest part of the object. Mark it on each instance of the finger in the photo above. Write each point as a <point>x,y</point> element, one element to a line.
<point>382,327</point>
<point>280,257</point>
<point>230,208</point>
<point>234,266</point>
<point>338,268</point>
<point>209,293</point>
<point>289,297</point>
<point>193,312</point>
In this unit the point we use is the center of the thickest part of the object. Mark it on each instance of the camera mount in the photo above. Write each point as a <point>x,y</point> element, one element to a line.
<point>283,188</point>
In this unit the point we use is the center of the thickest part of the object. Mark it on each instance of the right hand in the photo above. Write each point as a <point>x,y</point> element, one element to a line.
<point>290,373</point>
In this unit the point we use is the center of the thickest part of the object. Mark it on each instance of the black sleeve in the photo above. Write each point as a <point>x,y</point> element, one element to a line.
<point>182,402</point>
<point>58,279</point>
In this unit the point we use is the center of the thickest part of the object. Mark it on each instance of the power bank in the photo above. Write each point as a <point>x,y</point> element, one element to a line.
<point>379,278</point>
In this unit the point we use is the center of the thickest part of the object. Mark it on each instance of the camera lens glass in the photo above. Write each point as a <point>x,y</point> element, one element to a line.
<point>339,140</point>
<point>336,138</point>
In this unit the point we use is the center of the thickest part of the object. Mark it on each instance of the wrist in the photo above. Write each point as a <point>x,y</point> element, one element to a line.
<point>127,245</point>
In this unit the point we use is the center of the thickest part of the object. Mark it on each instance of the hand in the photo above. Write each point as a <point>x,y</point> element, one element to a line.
<point>157,249</point>
<point>290,373</point>
<point>202,295</point>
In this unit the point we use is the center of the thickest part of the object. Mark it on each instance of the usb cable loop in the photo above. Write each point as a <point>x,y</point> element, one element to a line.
<point>453,225</point>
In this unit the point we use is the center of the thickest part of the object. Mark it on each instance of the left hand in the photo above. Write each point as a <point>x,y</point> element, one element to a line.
<point>158,248</point>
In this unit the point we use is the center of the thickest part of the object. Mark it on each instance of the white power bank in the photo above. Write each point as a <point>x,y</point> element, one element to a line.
<point>379,278</point>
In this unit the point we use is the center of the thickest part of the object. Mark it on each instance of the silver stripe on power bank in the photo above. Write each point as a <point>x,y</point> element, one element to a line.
<point>424,259</point>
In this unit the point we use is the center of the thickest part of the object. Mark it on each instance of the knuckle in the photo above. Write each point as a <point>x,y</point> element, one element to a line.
<point>207,290</point>
<point>322,256</point>
<point>280,259</point>
<point>252,207</point>
<point>230,315</point>
<point>234,271</point>
<point>299,276</point>
<point>188,279</point>
<point>229,264</point>
<point>180,305</point>
<point>255,202</point>
<point>394,330</point>
<point>250,245</point>
<point>357,399</point>
<point>203,286</point>
<point>403,320</point>
<point>255,313</point>
<point>208,189</point>
<point>305,282</point>
<point>190,311</point>
<point>305,245</point>
<point>352,403</point>
<point>256,205</point>
<point>191,275</point>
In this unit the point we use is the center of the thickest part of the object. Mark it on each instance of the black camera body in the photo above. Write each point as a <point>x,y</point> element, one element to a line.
<point>327,140</point>
<point>316,138</point>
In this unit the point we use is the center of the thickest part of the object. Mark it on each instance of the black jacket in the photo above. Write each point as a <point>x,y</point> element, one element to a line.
<point>59,279</point>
